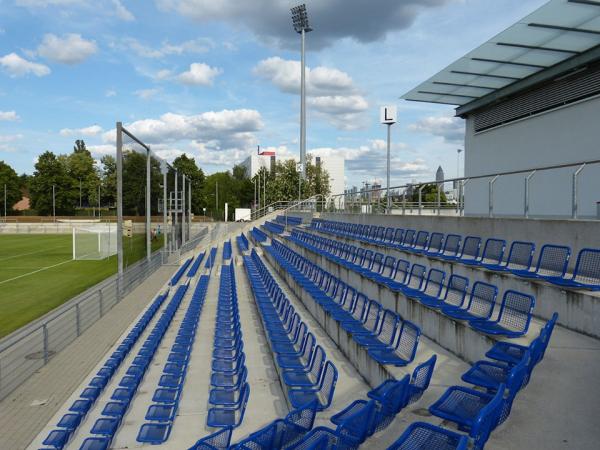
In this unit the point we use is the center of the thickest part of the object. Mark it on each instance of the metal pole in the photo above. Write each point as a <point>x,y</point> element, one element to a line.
<point>189,230</point>
<point>80,203</point>
<point>5,217</point>
<point>439,199</point>
<point>119,207</point>
<point>53,204</point>
<point>303,106</point>
<point>176,210</point>
<point>491,196</point>
<point>526,199</point>
<point>265,189</point>
<point>216,197</point>
<point>183,204</point>
<point>420,198</point>
<point>98,200</point>
<point>148,208</point>
<point>389,200</point>
<point>258,175</point>
<point>165,234</point>
<point>575,204</point>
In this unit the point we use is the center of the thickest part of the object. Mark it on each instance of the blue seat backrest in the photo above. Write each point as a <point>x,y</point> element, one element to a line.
<point>553,260</point>
<point>421,240</point>
<point>398,236</point>
<point>587,268</point>
<point>520,255</point>
<point>389,234</point>
<point>417,276</point>
<point>486,420</point>
<point>493,252</point>
<point>470,248</point>
<point>407,342</point>
<point>456,291</point>
<point>435,282</point>
<point>482,299</point>
<point>515,310</point>
<point>436,241</point>
<point>452,244</point>
<point>409,238</point>
<point>402,270</point>
<point>420,379</point>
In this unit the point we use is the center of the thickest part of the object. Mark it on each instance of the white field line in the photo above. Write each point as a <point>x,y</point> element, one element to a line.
<point>35,271</point>
<point>30,253</point>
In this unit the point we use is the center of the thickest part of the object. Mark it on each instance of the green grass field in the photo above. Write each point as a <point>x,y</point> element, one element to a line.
<point>37,274</point>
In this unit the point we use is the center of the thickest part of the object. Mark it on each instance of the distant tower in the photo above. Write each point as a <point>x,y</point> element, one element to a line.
<point>439,175</point>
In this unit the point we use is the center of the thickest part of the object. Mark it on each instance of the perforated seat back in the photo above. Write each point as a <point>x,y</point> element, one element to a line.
<point>482,299</point>
<point>456,290</point>
<point>515,311</point>
<point>417,275</point>
<point>421,240</point>
<point>402,270</point>
<point>587,268</point>
<point>398,236</point>
<point>435,282</point>
<point>471,246</point>
<point>493,251</point>
<point>520,255</point>
<point>409,238</point>
<point>436,241</point>
<point>420,379</point>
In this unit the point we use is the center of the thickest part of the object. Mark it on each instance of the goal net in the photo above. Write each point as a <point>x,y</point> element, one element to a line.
<point>94,242</point>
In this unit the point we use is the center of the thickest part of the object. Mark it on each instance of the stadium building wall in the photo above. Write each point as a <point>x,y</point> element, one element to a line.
<point>567,134</point>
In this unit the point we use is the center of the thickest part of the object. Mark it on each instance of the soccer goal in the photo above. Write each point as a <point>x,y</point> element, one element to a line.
<point>94,242</point>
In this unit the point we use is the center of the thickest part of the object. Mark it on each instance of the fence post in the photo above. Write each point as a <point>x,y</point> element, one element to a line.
<point>420,198</point>
<point>45,350</point>
<point>439,199</point>
<point>491,196</point>
<point>526,200</point>
<point>77,320</point>
<point>575,200</point>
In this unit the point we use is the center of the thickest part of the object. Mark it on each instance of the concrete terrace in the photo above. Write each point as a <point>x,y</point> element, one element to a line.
<point>556,410</point>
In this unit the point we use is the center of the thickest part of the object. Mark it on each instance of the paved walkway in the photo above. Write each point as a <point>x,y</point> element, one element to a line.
<point>25,412</point>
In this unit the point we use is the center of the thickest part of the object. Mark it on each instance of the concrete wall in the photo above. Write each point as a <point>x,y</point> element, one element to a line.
<point>577,234</point>
<point>565,135</point>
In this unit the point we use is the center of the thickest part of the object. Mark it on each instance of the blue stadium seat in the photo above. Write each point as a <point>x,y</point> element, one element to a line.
<point>479,306</point>
<point>513,318</point>
<point>229,416</point>
<point>219,440</point>
<point>586,274</point>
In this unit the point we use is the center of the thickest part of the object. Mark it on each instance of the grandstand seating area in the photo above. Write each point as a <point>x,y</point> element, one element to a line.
<point>438,357</point>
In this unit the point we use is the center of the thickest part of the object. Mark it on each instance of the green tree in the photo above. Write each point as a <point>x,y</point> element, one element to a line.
<point>50,171</point>
<point>80,166</point>
<point>10,179</point>
<point>108,184</point>
<point>188,167</point>
<point>134,183</point>
<point>429,194</point>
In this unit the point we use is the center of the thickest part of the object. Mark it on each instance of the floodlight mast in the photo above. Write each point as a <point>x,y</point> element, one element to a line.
<point>301,26</point>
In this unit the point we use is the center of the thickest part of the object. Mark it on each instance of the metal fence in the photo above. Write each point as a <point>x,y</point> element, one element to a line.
<point>29,349</point>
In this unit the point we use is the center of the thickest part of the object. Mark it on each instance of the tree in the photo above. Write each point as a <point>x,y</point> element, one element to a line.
<point>134,183</point>
<point>108,184</point>
<point>429,194</point>
<point>80,166</point>
<point>188,167</point>
<point>50,171</point>
<point>13,183</point>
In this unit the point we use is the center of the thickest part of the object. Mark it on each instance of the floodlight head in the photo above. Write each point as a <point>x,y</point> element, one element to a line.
<point>300,19</point>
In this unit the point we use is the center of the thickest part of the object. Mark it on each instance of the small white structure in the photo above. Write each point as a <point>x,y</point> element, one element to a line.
<point>254,163</point>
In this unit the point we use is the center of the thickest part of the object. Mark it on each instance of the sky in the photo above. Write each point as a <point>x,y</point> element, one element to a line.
<point>215,78</point>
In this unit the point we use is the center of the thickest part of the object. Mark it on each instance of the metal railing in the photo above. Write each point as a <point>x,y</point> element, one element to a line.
<point>30,348</point>
<point>373,202</point>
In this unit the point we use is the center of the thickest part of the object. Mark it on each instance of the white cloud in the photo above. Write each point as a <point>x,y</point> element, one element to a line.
<point>451,129</point>
<point>200,74</point>
<point>7,140</point>
<point>101,150</point>
<point>93,130</point>
<point>216,130</point>
<point>121,12</point>
<point>68,49</point>
<point>146,94</point>
<point>194,46</point>
<point>110,93</point>
<point>17,66</point>
<point>9,116</point>
<point>331,92</point>
<point>46,3</point>
<point>164,74</point>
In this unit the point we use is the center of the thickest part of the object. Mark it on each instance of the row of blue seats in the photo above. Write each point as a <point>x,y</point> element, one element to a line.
<point>363,418</point>
<point>105,428</point>
<point>229,389</point>
<point>274,227</point>
<point>175,279</point>
<point>226,251</point>
<point>258,235</point>
<point>478,411</point>
<point>384,334</point>
<point>552,262</point>
<point>289,220</point>
<point>242,243</point>
<point>57,439</point>
<point>301,362</point>
<point>211,260</point>
<point>355,423</point>
<point>161,413</point>
<point>194,268</point>
<point>514,314</point>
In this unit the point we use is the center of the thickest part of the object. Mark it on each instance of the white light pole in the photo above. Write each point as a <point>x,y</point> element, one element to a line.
<point>5,217</point>
<point>388,117</point>
<point>53,204</point>
<point>301,26</point>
